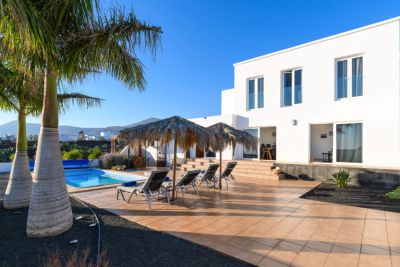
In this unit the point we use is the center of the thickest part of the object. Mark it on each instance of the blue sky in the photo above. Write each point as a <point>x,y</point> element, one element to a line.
<point>201,41</point>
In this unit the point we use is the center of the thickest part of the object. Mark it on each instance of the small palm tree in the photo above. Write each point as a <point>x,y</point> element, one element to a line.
<point>22,94</point>
<point>65,37</point>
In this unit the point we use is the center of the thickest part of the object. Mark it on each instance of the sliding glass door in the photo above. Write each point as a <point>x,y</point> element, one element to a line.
<point>349,142</point>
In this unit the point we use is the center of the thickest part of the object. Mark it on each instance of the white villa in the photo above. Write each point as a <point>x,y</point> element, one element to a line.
<point>334,100</point>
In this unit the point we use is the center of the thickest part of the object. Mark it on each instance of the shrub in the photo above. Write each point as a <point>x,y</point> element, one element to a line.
<point>395,194</point>
<point>81,259</point>
<point>11,157</point>
<point>342,178</point>
<point>94,153</point>
<point>72,154</point>
<point>109,160</point>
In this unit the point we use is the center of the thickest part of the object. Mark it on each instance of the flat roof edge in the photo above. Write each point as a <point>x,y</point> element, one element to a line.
<point>374,25</point>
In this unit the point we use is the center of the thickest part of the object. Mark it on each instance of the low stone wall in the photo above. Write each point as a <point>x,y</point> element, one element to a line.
<point>360,176</point>
<point>5,167</point>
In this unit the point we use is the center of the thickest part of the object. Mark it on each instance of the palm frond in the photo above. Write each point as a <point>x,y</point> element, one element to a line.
<point>109,45</point>
<point>81,100</point>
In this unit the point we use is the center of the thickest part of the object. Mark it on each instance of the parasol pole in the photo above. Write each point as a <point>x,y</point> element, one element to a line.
<point>220,169</point>
<point>174,169</point>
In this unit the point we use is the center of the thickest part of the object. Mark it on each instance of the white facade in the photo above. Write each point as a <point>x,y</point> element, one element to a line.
<point>298,131</point>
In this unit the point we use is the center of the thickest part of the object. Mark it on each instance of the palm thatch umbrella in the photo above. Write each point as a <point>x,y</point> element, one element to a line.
<point>183,132</point>
<point>229,136</point>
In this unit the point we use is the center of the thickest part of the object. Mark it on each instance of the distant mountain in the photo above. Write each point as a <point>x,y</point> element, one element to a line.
<point>34,128</point>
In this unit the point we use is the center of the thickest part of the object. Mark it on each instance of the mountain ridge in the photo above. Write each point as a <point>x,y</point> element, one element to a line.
<point>68,130</point>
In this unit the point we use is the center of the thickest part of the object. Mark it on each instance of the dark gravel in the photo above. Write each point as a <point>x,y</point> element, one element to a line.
<point>124,243</point>
<point>359,196</point>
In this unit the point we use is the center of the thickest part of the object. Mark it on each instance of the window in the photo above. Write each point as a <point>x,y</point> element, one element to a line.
<point>297,86</point>
<point>357,76</point>
<point>260,92</point>
<point>252,94</point>
<point>292,87</point>
<point>344,85</point>
<point>349,142</point>
<point>250,153</point>
<point>255,95</point>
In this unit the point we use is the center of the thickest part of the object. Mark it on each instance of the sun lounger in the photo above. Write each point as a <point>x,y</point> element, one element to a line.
<point>208,177</point>
<point>152,187</point>
<point>227,173</point>
<point>188,179</point>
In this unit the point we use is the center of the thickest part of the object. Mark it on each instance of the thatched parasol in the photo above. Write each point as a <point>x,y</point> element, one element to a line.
<point>229,136</point>
<point>183,132</point>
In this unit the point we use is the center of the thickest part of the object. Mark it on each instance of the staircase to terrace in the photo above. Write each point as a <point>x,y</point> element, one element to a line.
<point>258,169</point>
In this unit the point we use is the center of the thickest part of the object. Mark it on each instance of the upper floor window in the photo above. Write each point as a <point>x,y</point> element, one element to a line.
<point>292,87</point>
<point>345,68</point>
<point>260,92</point>
<point>255,93</point>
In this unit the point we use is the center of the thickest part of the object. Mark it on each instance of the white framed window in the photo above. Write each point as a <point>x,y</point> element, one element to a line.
<point>255,93</point>
<point>292,83</point>
<point>349,77</point>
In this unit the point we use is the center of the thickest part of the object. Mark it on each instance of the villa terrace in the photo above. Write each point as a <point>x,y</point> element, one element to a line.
<point>265,223</point>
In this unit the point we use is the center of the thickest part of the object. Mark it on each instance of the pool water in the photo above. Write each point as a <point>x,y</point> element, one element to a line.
<point>93,177</point>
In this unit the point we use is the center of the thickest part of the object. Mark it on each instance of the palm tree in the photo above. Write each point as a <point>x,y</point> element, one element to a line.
<point>66,37</point>
<point>22,94</point>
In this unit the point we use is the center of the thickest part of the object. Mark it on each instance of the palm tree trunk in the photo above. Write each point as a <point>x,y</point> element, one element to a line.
<point>50,209</point>
<point>18,192</point>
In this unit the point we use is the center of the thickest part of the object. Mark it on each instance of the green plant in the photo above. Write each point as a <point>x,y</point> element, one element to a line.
<point>72,154</point>
<point>94,153</point>
<point>395,194</point>
<point>12,155</point>
<point>342,178</point>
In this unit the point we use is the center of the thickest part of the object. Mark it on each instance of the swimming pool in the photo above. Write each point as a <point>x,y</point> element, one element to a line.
<point>94,177</point>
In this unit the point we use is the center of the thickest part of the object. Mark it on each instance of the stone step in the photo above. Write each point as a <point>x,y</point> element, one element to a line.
<point>268,176</point>
<point>240,162</point>
<point>187,167</point>
<point>238,167</point>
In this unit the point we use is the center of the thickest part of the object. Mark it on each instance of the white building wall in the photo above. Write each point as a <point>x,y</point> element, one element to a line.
<point>378,109</point>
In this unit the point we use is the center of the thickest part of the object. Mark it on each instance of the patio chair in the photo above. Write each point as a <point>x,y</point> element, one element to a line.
<point>209,177</point>
<point>151,187</point>
<point>188,179</point>
<point>227,173</point>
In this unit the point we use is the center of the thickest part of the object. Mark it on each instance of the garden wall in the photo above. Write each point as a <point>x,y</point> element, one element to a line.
<point>360,176</point>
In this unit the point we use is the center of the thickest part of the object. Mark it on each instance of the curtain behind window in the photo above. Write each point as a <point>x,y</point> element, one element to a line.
<point>252,95</point>
<point>287,89</point>
<point>357,76</point>
<point>260,92</point>
<point>349,142</point>
<point>341,79</point>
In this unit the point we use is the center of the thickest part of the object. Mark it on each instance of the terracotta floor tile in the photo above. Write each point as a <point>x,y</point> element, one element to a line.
<point>310,258</point>
<point>285,256</point>
<point>266,223</point>
<point>320,246</point>
<point>250,257</point>
<point>258,248</point>
<point>268,262</point>
<point>340,256</point>
<point>367,260</point>
<point>373,250</point>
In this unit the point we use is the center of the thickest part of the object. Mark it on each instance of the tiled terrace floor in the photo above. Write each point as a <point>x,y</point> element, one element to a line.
<point>266,223</point>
